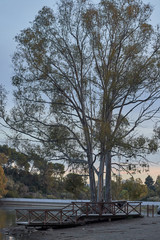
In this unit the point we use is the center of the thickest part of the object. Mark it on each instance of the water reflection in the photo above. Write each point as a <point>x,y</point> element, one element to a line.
<point>7,219</point>
<point>6,237</point>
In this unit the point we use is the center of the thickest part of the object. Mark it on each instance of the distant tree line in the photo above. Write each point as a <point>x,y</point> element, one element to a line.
<point>135,189</point>
<point>153,188</point>
<point>33,177</point>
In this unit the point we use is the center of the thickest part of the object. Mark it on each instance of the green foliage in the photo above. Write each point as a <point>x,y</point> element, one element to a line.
<point>15,157</point>
<point>58,170</point>
<point>129,190</point>
<point>124,195</point>
<point>153,189</point>
<point>116,188</point>
<point>24,184</point>
<point>136,189</point>
<point>42,180</point>
<point>150,183</point>
<point>157,186</point>
<point>76,185</point>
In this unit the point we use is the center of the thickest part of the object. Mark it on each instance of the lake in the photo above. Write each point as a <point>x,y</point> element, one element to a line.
<point>7,219</point>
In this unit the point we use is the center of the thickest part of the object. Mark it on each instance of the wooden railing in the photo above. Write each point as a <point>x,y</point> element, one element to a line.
<point>150,210</point>
<point>75,211</point>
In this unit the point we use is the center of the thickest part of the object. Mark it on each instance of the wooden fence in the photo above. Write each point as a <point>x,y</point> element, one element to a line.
<point>76,212</point>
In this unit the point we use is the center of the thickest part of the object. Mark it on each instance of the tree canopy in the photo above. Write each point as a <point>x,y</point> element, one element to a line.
<point>85,78</point>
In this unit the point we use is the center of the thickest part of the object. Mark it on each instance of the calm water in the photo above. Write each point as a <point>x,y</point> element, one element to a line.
<point>7,219</point>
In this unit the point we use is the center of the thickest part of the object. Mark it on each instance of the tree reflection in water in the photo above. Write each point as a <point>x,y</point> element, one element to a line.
<point>7,219</point>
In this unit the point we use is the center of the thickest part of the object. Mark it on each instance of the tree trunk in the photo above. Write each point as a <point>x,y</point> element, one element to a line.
<point>91,176</point>
<point>100,196</point>
<point>92,184</point>
<point>108,177</point>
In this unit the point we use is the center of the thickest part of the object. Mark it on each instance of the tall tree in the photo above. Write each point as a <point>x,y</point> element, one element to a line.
<point>157,185</point>
<point>150,183</point>
<point>85,78</point>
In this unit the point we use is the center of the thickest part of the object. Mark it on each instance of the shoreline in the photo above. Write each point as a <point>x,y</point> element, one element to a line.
<point>145,228</point>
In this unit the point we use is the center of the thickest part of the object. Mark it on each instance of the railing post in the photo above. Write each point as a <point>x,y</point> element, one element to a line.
<point>16,216</point>
<point>148,210</point>
<point>76,217</point>
<point>100,207</point>
<point>60,216</point>
<point>127,208</point>
<point>87,209</point>
<point>152,210</point>
<point>73,207</point>
<point>114,208</point>
<point>45,216</point>
<point>110,207</point>
<point>29,217</point>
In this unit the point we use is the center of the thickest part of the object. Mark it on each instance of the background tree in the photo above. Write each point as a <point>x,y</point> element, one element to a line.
<point>3,179</point>
<point>157,186</point>
<point>117,188</point>
<point>85,78</point>
<point>130,189</point>
<point>150,183</point>
<point>76,185</point>
<point>14,157</point>
<point>135,188</point>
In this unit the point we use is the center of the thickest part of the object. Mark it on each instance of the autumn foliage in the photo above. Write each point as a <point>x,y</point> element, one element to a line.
<point>3,179</point>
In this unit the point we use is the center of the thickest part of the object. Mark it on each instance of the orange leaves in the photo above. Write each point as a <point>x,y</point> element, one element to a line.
<point>3,158</point>
<point>89,17</point>
<point>146,28</point>
<point>130,50</point>
<point>111,10</point>
<point>132,11</point>
<point>3,179</point>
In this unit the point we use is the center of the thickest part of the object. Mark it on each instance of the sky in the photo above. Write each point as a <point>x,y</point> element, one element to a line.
<point>15,15</point>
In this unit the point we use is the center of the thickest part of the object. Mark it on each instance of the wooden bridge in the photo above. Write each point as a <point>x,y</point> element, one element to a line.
<point>77,213</point>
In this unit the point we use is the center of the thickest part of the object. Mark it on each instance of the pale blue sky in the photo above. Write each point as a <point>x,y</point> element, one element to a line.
<point>15,15</point>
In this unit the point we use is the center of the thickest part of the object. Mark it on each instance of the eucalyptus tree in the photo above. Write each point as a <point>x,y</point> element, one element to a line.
<point>86,77</point>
